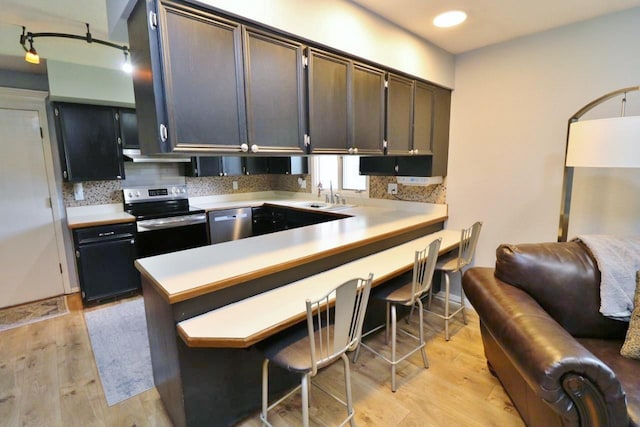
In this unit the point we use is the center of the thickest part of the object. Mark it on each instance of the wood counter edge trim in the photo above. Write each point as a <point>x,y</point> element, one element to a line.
<point>101,222</point>
<point>227,342</point>
<point>216,286</point>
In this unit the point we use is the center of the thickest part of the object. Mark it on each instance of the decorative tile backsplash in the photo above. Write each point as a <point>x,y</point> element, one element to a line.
<point>428,194</point>
<point>105,192</point>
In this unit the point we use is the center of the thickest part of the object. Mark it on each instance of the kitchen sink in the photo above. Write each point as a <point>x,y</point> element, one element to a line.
<point>327,206</point>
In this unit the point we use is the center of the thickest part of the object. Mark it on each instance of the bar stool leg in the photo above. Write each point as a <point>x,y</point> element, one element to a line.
<point>464,304</point>
<point>347,386</point>
<point>393,348</point>
<point>422,343</point>
<point>446,306</point>
<point>386,326</point>
<point>305,400</point>
<point>265,390</point>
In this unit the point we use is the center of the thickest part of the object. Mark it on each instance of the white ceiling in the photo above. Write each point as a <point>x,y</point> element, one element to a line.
<point>489,21</point>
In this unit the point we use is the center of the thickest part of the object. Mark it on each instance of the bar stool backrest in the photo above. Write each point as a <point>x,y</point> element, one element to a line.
<point>423,268</point>
<point>468,242</point>
<point>335,330</point>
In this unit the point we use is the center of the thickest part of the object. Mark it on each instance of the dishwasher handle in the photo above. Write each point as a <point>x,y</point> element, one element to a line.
<point>229,217</point>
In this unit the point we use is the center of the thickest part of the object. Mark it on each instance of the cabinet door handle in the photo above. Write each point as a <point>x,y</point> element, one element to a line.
<point>77,254</point>
<point>244,148</point>
<point>164,134</point>
<point>133,241</point>
<point>254,148</point>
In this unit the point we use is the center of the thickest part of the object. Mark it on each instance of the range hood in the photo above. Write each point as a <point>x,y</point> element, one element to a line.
<point>134,155</point>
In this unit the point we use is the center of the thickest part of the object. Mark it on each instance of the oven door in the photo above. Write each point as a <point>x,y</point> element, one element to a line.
<point>164,235</point>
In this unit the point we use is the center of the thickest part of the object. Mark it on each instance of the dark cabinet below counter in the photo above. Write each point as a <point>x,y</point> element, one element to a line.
<point>104,259</point>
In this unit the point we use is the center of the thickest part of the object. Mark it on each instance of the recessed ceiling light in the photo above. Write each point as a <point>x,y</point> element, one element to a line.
<point>449,19</point>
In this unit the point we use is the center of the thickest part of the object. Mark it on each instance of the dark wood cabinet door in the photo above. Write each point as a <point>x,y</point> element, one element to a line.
<point>274,85</point>
<point>205,166</point>
<point>399,115</point>
<point>367,109</point>
<point>329,80</point>
<point>232,166</point>
<point>203,78</point>
<point>129,128</point>
<point>423,103</point>
<point>378,165</point>
<point>296,165</point>
<point>89,149</point>
<point>256,165</point>
<point>440,144</point>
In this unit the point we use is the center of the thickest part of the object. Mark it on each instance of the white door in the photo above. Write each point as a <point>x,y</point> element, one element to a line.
<point>30,267</point>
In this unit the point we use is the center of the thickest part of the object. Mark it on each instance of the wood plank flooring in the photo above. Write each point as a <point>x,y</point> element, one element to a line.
<point>48,377</point>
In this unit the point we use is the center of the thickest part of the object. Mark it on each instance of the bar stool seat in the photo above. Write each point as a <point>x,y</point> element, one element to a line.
<point>399,292</point>
<point>334,326</point>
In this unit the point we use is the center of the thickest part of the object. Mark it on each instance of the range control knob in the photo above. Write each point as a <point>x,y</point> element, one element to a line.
<point>137,194</point>
<point>130,194</point>
<point>182,190</point>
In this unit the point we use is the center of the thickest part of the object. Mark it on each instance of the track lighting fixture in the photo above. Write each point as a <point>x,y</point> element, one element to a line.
<point>31,55</point>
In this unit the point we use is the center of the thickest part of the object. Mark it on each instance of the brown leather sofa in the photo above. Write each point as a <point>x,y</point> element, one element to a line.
<point>557,357</point>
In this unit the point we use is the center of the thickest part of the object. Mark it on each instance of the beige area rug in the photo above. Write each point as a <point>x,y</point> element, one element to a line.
<point>13,317</point>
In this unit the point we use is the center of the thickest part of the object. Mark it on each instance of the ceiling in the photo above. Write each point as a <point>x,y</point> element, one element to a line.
<point>489,21</point>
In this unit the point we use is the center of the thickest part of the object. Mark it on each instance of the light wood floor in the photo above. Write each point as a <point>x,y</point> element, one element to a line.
<point>48,377</point>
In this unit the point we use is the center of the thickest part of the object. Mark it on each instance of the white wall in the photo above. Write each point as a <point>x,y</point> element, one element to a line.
<point>343,25</point>
<point>509,122</point>
<point>94,85</point>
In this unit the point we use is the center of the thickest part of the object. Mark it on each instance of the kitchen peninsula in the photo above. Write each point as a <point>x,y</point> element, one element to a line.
<point>200,384</point>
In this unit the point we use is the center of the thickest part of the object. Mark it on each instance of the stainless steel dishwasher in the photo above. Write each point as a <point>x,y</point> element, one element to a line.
<point>229,224</point>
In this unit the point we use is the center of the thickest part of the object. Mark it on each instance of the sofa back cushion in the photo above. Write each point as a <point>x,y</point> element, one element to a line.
<point>564,279</point>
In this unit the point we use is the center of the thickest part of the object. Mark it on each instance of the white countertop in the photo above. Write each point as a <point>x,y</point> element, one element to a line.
<point>248,321</point>
<point>185,274</point>
<point>88,216</point>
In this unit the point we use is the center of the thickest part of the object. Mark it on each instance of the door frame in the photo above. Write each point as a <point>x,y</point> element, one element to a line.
<point>33,100</point>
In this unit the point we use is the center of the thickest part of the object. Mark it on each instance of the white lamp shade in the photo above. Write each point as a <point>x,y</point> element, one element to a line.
<point>605,143</point>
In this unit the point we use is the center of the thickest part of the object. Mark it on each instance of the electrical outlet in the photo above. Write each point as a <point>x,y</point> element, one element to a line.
<point>78,191</point>
<point>392,188</point>
<point>303,183</point>
<point>235,185</point>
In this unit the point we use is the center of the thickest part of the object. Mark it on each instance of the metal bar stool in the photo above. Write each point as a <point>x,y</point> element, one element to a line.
<point>454,264</point>
<point>405,294</point>
<point>334,326</point>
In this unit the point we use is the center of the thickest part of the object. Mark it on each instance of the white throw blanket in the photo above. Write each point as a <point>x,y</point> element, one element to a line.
<point>618,260</point>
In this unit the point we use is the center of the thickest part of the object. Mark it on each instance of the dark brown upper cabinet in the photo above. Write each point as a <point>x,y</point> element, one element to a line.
<point>367,108</point>
<point>328,87</point>
<point>129,128</point>
<point>410,111</point>
<point>215,166</point>
<point>440,142</point>
<point>274,85</point>
<point>89,141</point>
<point>188,79</point>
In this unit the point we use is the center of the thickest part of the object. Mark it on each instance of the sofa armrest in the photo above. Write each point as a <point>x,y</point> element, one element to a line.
<point>557,368</point>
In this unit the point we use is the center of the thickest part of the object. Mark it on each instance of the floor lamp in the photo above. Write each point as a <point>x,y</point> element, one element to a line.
<point>611,143</point>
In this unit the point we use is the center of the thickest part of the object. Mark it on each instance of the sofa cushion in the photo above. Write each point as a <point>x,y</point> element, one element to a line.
<point>626,371</point>
<point>564,279</point>
<point>631,346</point>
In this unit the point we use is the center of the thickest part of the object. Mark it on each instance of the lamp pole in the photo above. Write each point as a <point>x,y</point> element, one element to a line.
<point>567,182</point>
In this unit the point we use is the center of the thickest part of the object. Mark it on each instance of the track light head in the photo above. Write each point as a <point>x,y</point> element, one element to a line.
<point>31,55</point>
<point>126,65</point>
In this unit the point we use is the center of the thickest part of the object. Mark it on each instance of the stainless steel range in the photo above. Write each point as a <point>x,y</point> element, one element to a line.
<point>165,221</point>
